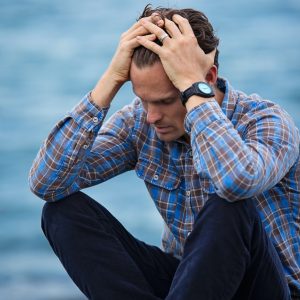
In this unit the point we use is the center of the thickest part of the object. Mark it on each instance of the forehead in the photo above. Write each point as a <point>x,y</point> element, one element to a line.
<point>151,83</point>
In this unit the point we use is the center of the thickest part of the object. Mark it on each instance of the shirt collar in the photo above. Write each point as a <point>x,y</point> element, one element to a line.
<point>230,97</point>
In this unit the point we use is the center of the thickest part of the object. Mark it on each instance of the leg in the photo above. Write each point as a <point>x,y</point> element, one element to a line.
<point>229,256</point>
<point>101,257</point>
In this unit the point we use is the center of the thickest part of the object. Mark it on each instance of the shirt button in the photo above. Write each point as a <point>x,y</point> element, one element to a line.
<point>85,146</point>
<point>95,119</point>
<point>191,153</point>
<point>155,177</point>
<point>188,193</point>
<point>188,233</point>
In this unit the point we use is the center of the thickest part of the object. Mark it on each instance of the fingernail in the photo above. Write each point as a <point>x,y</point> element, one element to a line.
<point>160,23</point>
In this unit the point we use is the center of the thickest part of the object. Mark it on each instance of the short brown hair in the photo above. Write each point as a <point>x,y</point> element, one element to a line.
<point>202,28</point>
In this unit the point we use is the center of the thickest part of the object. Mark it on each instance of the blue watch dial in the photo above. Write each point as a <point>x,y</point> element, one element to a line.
<point>205,88</point>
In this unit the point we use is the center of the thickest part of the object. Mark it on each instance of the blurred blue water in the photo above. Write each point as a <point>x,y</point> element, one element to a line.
<point>52,53</point>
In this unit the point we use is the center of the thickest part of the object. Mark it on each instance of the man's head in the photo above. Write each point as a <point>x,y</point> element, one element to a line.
<point>202,29</point>
<point>160,98</point>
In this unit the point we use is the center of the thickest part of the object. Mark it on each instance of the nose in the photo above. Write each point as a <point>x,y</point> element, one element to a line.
<point>153,115</point>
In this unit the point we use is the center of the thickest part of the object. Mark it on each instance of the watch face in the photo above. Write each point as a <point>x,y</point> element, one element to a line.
<point>204,88</point>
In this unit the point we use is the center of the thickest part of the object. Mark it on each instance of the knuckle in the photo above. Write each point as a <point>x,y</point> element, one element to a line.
<point>141,21</point>
<point>123,46</point>
<point>182,41</point>
<point>166,53</point>
<point>187,41</point>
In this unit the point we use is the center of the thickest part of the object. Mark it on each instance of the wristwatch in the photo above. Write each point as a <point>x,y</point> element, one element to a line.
<point>200,88</point>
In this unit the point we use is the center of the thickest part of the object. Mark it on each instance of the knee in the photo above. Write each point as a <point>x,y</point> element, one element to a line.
<point>56,212</point>
<point>221,215</point>
<point>219,207</point>
<point>226,222</point>
<point>67,212</point>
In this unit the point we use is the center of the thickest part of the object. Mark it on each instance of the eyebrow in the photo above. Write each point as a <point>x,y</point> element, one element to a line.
<point>158,100</point>
<point>173,97</point>
<point>170,97</point>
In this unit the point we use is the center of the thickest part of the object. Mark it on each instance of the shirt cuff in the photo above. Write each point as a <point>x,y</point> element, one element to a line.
<point>87,115</point>
<point>202,115</point>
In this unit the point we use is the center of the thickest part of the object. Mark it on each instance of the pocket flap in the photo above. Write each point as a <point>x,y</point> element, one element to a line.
<point>151,172</point>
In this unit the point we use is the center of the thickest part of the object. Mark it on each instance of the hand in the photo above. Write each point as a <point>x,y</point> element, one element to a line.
<point>182,58</point>
<point>120,64</point>
<point>118,70</point>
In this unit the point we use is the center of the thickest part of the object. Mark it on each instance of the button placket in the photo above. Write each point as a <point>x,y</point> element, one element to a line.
<point>155,177</point>
<point>95,120</point>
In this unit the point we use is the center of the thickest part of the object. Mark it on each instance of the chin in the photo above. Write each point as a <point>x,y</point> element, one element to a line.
<point>168,137</point>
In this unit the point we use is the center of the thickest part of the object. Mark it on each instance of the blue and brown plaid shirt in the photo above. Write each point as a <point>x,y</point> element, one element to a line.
<point>248,147</point>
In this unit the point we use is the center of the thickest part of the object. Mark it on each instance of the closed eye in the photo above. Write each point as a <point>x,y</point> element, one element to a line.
<point>168,101</point>
<point>159,102</point>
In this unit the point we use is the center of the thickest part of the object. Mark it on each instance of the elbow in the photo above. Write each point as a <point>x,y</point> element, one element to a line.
<point>36,189</point>
<point>36,182</point>
<point>39,194</point>
<point>49,190</point>
<point>43,194</point>
<point>39,189</point>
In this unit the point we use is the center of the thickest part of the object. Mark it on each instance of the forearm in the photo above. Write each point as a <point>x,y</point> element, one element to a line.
<point>105,90</point>
<point>57,167</point>
<point>241,162</point>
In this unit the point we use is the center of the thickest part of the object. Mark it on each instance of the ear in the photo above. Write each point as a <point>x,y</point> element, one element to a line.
<point>212,75</point>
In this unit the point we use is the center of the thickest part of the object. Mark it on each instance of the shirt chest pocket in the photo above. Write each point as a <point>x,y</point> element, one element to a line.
<point>162,182</point>
<point>162,176</point>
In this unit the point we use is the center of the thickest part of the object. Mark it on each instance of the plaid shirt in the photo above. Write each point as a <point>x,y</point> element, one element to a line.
<point>248,147</point>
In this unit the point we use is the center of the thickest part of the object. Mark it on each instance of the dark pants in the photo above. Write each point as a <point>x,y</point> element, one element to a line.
<point>227,255</point>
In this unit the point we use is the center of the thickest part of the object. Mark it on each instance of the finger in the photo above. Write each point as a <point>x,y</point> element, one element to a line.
<point>141,30</point>
<point>149,37</point>
<point>157,20</point>
<point>183,24</point>
<point>172,28</point>
<point>153,28</point>
<point>143,41</point>
<point>132,28</point>
<point>136,25</point>
<point>133,43</point>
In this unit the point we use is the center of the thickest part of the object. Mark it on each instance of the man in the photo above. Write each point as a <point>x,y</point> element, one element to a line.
<point>222,168</point>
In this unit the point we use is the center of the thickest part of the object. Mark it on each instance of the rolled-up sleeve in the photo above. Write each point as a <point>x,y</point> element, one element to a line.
<point>247,158</point>
<point>77,154</point>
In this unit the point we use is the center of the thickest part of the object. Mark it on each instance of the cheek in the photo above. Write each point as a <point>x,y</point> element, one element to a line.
<point>145,106</point>
<point>179,116</point>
